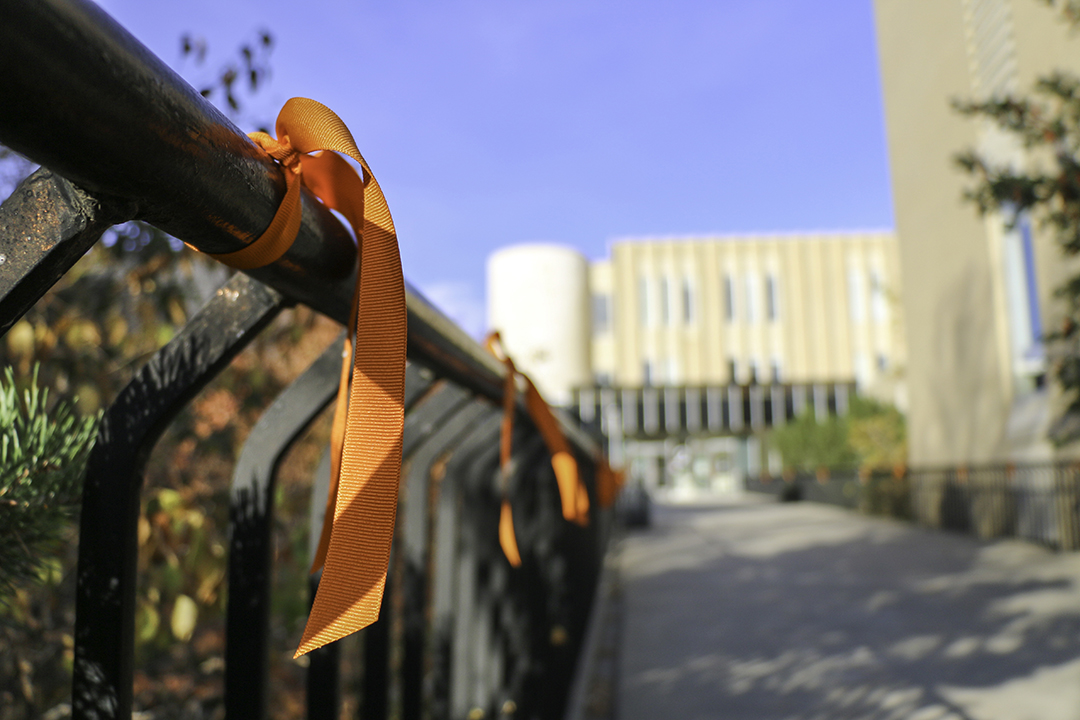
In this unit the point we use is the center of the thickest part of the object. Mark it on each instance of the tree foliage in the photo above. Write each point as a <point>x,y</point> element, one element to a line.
<point>1046,188</point>
<point>877,433</point>
<point>871,435</point>
<point>807,444</point>
<point>42,456</point>
<point>242,75</point>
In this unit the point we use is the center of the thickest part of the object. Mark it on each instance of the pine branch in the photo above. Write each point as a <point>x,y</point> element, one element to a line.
<point>42,460</point>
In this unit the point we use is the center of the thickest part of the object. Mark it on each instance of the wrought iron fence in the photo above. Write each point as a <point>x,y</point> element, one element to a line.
<point>1039,502</point>
<point>462,634</point>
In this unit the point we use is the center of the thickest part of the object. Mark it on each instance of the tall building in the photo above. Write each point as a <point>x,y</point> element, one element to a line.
<point>977,295</point>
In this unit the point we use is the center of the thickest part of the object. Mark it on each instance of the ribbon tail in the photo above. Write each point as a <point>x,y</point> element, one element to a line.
<point>572,493</point>
<point>337,444</point>
<point>507,539</point>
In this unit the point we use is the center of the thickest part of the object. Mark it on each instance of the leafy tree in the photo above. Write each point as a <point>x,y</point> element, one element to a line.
<point>877,434</point>
<point>808,445</point>
<point>1046,122</point>
<point>871,435</point>
<point>240,77</point>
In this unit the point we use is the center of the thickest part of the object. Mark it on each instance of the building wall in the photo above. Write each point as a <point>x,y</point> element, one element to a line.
<point>792,308</point>
<point>973,357</point>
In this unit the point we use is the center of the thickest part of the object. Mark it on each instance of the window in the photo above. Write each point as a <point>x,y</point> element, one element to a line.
<point>855,294</point>
<point>687,302</point>
<point>862,370</point>
<point>729,299</point>
<point>772,299</point>
<point>601,314</point>
<point>882,362</point>
<point>879,306</point>
<point>665,302</point>
<point>672,368</point>
<point>751,298</point>
<point>733,371</point>
<point>776,370</point>
<point>647,373</point>
<point>751,368</point>
<point>643,298</point>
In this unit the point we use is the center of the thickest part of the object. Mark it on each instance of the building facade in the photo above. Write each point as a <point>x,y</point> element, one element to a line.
<point>978,296</point>
<point>684,351</point>
<point>753,309</point>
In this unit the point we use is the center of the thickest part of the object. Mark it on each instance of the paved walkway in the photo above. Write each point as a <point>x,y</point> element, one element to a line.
<point>762,611</point>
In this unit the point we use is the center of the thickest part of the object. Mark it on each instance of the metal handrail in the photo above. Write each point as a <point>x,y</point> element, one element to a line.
<point>86,99</point>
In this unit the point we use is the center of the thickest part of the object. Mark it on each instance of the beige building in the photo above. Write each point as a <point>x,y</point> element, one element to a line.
<point>720,310</point>
<point>699,345</point>
<point>977,297</point>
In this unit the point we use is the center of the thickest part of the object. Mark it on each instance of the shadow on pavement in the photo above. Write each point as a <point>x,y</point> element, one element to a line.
<point>805,611</point>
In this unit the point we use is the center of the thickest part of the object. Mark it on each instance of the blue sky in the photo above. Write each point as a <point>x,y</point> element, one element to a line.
<point>494,122</point>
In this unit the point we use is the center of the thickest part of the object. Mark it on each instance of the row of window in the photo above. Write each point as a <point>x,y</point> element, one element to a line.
<point>744,305</point>
<point>668,313</point>
<point>750,299</point>
<point>668,373</point>
<point>685,309</point>
<point>682,308</point>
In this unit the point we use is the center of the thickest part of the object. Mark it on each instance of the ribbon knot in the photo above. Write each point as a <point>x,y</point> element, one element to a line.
<point>279,149</point>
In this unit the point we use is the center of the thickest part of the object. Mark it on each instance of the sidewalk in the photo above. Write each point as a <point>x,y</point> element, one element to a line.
<point>759,611</point>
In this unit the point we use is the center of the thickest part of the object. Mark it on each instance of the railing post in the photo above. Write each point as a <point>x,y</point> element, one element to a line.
<point>416,550</point>
<point>46,225</point>
<point>108,533</point>
<point>251,520</point>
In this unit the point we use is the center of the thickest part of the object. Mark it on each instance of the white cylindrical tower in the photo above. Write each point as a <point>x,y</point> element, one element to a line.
<point>538,299</point>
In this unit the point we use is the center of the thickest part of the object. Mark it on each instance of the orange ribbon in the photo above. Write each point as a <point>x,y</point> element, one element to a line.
<point>366,440</point>
<point>608,482</point>
<point>572,493</point>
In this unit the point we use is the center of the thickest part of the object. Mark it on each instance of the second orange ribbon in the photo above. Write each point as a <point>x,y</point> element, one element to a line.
<point>572,493</point>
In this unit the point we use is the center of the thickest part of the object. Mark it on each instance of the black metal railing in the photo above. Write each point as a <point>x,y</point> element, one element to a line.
<point>1034,501</point>
<point>1039,502</point>
<point>462,634</point>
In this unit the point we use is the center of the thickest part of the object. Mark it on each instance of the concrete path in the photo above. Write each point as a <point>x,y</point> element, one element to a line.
<point>764,611</point>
